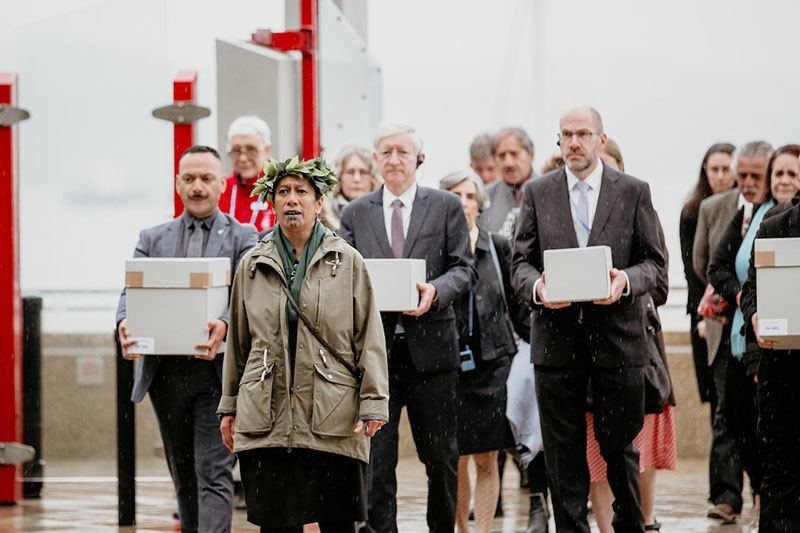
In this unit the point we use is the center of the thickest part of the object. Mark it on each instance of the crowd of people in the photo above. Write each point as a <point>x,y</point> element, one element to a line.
<point>309,390</point>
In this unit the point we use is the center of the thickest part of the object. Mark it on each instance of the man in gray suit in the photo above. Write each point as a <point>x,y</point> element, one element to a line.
<point>185,391</point>
<point>402,219</point>
<point>513,154</point>
<point>587,203</point>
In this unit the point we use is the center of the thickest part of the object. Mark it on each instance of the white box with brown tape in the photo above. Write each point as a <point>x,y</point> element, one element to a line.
<point>578,274</point>
<point>777,263</point>
<point>170,300</point>
<point>395,282</point>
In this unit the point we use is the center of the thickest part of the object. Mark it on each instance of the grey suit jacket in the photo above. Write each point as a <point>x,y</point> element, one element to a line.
<point>438,233</point>
<point>502,202</point>
<point>714,216</point>
<point>626,222</point>
<point>227,238</point>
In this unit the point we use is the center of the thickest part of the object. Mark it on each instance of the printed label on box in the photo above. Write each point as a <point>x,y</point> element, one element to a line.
<point>144,345</point>
<point>773,326</point>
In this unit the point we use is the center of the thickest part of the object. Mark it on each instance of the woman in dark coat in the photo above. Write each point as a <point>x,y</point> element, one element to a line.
<point>716,176</point>
<point>487,344</point>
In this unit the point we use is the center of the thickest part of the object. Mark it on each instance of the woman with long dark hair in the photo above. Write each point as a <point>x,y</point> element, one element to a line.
<point>716,176</point>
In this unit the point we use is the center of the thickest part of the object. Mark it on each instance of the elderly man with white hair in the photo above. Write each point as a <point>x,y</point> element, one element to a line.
<point>249,147</point>
<point>405,220</point>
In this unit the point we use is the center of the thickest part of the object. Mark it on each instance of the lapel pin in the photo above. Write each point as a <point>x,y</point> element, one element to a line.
<point>220,231</point>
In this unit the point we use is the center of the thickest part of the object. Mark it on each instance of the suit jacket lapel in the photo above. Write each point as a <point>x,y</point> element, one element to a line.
<point>563,209</point>
<point>417,218</point>
<point>605,203</point>
<point>376,220</point>
<point>217,234</point>
<point>170,240</point>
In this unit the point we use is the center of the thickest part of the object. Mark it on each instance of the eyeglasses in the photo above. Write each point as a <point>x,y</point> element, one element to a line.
<point>250,152</point>
<point>582,135</point>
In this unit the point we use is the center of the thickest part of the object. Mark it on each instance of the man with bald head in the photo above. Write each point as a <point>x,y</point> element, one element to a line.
<point>602,343</point>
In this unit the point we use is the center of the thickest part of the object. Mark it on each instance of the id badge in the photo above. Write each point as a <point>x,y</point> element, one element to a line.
<point>467,360</point>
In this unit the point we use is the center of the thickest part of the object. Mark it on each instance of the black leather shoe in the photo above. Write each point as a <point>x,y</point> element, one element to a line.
<point>655,526</point>
<point>538,514</point>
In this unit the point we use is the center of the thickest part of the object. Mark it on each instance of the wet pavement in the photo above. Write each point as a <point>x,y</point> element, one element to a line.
<point>89,503</point>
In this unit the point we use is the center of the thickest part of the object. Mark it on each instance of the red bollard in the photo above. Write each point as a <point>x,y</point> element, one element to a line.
<point>183,88</point>
<point>10,300</point>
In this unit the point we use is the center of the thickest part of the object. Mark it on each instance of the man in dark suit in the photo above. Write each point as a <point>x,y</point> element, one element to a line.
<point>602,342</point>
<point>185,391</point>
<point>404,220</point>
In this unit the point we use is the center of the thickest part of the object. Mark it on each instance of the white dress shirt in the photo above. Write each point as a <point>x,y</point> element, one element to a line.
<point>594,180</point>
<point>408,204</point>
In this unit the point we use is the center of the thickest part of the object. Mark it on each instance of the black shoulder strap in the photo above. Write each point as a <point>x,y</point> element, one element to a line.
<point>315,331</point>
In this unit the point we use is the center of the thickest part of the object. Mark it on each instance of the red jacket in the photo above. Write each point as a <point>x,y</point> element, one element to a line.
<point>246,210</point>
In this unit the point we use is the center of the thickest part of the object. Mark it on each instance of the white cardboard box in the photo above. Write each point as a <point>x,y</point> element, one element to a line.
<point>395,282</point>
<point>178,272</point>
<point>170,300</point>
<point>578,274</point>
<point>777,263</point>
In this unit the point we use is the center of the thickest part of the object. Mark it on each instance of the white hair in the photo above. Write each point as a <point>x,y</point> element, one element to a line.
<point>387,129</point>
<point>249,125</point>
<point>454,178</point>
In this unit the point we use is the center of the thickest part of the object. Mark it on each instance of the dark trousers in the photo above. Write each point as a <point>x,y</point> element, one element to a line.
<point>185,393</point>
<point>734,440</point>
<point>778,400</point>
<point>430,400</point>
<point>324,527</point>
<point>618,405</point>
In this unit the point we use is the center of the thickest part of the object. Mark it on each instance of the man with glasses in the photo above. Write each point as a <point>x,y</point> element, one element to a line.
<point>512,150</point>
<point>402,219</point>
<point>249,147</point>
<point>586,203</point>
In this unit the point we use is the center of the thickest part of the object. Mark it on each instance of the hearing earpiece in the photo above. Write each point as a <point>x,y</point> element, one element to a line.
<point>420,159</point>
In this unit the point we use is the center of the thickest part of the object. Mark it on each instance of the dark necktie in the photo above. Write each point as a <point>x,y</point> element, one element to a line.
<point>517,194</point>
<point>398,238</point>
<point>195,247</point>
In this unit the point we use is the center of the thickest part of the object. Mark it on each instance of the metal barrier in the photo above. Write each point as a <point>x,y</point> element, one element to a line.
<point>32,471</point>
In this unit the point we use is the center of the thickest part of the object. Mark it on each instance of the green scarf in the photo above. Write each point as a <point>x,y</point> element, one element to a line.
<point>288,255</point>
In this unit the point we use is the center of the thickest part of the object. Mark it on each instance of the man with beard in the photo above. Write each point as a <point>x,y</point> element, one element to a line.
<point>513,155</point>
<point>587,203</point>
<point>185,391</point>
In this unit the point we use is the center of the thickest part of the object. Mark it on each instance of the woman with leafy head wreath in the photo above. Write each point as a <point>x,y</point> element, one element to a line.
<point>305,380</point>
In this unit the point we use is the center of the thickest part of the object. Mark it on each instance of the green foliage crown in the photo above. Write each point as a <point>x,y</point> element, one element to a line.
<point>315,170</point>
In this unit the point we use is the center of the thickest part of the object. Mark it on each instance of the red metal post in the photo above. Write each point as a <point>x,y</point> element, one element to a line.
<point>10,301</point>
<point>305,41</point>
<point>183,88</point>
<point>308,21</point>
